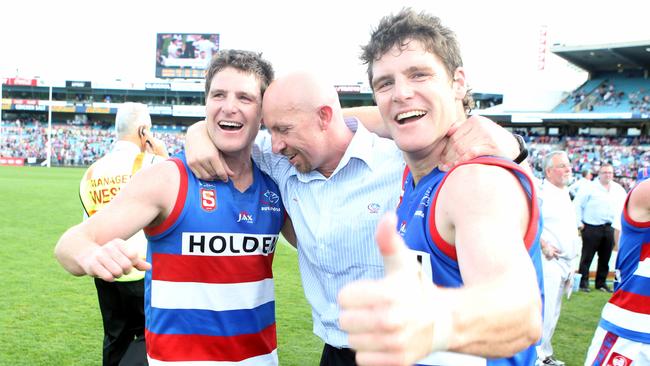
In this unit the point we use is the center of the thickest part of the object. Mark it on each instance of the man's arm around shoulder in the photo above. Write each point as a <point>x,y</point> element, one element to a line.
<point>96,247</point>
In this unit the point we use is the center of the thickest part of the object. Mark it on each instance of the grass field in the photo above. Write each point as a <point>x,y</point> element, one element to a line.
<point>48,317</point>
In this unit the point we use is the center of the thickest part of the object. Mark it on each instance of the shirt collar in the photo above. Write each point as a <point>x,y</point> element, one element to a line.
<point>122,145</point>
<point>360,147</point>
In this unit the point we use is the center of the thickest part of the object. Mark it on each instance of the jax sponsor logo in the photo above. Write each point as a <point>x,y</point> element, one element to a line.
<point>245,217</point>
<point>228,244</point>
<point>270,201</point>
<point>373,207</point>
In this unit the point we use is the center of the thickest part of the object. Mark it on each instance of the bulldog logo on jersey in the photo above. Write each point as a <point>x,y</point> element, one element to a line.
<point>270,197</point>
<point>208,199</point>
<point>619,360</point>
<point>270,201</point>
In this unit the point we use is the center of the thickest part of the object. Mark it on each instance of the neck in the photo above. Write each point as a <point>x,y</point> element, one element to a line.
<point>134,139</point>
<point>422,162</point>
<point>338,142</point>
<point>241,166</point>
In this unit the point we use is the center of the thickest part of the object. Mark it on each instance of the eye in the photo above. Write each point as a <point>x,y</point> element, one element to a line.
<point>383,85</point>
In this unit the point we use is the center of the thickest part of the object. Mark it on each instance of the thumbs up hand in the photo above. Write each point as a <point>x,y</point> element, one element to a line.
<point>391,321</point>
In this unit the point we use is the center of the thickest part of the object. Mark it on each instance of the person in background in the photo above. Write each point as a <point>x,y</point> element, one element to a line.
<point>623,333</point>
<point>560,245</point>
<point>122,301</point>
<point>598,205</point>
<point>585,177</point>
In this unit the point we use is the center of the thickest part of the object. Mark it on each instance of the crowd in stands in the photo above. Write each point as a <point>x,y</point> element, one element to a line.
<point>74,145</point>
<point>608,96</point>
<point>626,154</point>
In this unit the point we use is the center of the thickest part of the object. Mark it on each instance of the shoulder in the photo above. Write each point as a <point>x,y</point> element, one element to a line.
<point>640,196</point>
<point>482,187</point>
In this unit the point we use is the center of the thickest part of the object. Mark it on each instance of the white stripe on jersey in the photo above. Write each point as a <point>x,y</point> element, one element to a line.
<point>267,359</point>
<point>626,319</point>
<point>227,244</point>
<point>211,296</point>
<point>644,268</point>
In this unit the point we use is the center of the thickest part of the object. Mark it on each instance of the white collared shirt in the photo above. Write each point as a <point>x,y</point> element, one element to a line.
<point>335,218</point>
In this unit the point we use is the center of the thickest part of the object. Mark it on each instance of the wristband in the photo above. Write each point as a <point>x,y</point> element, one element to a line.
<point>523,151</point>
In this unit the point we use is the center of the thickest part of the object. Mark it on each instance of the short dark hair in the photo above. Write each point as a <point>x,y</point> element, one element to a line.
<point>407,25</point>
<point>245,61</point>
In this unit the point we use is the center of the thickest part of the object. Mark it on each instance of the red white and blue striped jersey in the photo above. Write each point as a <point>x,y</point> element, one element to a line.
<point>416,224</point>
<point>210,293</point>
<point>627,314</point>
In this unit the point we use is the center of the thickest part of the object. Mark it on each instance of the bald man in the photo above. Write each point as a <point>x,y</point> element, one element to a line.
<point>336,180</point>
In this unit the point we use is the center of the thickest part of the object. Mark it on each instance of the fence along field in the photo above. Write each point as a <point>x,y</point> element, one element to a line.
<point>49,317</point>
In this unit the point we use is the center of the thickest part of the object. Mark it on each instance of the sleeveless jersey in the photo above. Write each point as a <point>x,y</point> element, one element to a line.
<point>103,180</point>
<point>416,224</point>
<point>210,295</point>
<point>627,313</point>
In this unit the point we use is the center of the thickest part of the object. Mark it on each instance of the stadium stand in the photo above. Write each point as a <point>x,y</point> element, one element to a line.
<point>607,118</point>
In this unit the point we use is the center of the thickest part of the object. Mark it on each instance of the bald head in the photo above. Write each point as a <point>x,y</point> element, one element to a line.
<point>130,118</point>
<point>300,91</point>
<point>304,115</point>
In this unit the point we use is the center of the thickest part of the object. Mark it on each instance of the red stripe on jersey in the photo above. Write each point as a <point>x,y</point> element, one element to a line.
<point>192,347</point>
<point>531,230</point>
<point>405,175</point>
<point>631,301</point>
<point>645,251</point>
<point>210,269</point>
<point>178,206</point>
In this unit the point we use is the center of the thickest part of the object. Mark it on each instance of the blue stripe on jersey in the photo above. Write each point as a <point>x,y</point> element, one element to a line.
<point>637,285</point>
<point>625,333</point>
<point>212,323</point>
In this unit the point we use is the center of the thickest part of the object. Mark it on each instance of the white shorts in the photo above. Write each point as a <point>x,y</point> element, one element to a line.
<point>608,349</point>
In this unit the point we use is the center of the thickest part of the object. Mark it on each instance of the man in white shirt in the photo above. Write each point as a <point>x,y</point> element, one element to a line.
<point>585,178</point>
<point>598,208</point>
<point>560,243</point>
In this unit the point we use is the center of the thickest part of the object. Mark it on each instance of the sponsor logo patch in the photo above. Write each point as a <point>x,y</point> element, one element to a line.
<point>373,207</point>
<point>619,360</point>
<point>208,199</point>
<point>245,217</point>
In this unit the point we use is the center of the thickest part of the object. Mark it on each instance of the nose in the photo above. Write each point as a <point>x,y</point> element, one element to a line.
<point>277,144</point>
<point>402,90</point>
<point>230,106</point>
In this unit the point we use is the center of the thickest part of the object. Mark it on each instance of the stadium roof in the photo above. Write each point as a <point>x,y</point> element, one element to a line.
<point>607,57</point>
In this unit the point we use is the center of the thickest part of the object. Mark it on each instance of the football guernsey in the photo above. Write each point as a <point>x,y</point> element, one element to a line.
<point>209,297</point>
<point>627,314</point>
<point>416,224</point>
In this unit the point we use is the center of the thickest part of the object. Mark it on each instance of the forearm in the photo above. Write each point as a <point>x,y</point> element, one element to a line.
<point>72,247</point>
<point>370,118</point>
<point>508,319</point>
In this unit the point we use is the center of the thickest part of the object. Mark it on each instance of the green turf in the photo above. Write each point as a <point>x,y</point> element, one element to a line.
<point>49,317</point>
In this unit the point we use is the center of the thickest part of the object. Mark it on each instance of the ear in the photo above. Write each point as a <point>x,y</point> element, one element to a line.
<point>459,83</point>
<point>142,136</point>
<point>325,116</point>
